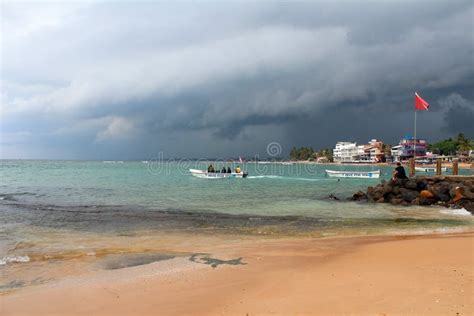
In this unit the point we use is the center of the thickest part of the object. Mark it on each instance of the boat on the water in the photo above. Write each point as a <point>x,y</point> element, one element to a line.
<point>430,169</point>
<point>217,175</point>
<point>354,174</point>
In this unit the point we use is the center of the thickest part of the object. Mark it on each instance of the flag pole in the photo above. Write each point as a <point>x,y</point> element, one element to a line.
<point>414,141</point>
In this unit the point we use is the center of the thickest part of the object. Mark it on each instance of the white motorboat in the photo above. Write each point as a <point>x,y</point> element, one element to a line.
<point>217,175</point>
<point>430,169</point>
<point>354,174</point>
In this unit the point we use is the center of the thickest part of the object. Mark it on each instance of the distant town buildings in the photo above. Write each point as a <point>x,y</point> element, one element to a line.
<point>351,152</point>
<point>404,149</point>
<point>375,151</point>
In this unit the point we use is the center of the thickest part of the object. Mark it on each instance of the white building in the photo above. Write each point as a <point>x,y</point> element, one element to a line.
<point>346,152</point>
<point>351,152</point>
<point>396,152</point>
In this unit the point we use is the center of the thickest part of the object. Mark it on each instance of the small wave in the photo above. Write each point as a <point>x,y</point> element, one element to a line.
<point>14,259</point>
<point>264,177</point>
<point>283,178</point>
<point>7,198</point>
<point>462,212</point>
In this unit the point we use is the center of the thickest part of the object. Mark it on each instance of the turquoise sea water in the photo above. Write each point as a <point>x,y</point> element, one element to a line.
<point>56,209</point>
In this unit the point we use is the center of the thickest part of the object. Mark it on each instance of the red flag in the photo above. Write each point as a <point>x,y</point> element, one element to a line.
<point>421,104</point>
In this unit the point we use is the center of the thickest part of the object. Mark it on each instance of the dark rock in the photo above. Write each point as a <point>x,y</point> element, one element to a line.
<point>396,201</point>
<point>411,184</point>
<point>408,195</point>
<point>468,193</point>
<point>389,196</point>
<point>469,207</point>
<point>376,194</point>
<point>440,191</point>
<point>386,188</point>
<point>443,197</point>
<point>396,190</point>
<point>359,196</point>
<point>421,185</point>
<point>448,191</point>
<point>426,201</point>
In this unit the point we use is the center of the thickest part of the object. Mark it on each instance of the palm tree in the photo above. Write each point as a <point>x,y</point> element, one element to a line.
<point>463,144</point>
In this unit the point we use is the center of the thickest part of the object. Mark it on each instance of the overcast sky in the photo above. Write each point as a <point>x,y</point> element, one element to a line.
<point>128,80</point>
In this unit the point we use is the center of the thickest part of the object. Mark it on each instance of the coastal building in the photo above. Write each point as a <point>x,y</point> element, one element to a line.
<point>396,152</point>
<point>345,152</point>
<point>322,160</point>
<point>404,149</point>
<point>351,152</point>
<point>374,150</point>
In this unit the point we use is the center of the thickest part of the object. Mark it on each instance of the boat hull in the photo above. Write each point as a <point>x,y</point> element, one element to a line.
<point>354,174</point>
<point>216,175</point>
<point>429,169</point>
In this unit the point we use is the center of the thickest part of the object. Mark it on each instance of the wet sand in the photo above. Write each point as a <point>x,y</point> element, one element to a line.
<point>418,275</point>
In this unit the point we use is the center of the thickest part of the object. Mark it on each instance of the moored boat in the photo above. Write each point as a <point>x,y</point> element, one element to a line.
<point>217,175</point>
<point>430,169</point>
<point>354,174</point>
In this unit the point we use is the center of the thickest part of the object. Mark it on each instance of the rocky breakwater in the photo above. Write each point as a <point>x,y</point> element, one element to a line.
<point>449,191</point>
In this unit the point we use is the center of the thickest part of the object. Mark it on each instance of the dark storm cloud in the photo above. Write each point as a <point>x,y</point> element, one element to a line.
<point>459,118</point>
<point>217,79</point>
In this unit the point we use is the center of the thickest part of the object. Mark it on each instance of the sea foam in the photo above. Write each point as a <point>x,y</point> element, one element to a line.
<point>14,259</point>
<point>461,211</point>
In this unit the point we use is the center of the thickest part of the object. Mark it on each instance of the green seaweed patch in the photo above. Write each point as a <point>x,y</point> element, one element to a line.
<point>205,258</point>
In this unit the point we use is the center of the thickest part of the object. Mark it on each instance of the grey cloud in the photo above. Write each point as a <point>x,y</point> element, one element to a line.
<point>459,117</point>
<point>236,75</point>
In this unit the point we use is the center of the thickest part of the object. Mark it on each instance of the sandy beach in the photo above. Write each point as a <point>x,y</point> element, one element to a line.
<point>417,275</point>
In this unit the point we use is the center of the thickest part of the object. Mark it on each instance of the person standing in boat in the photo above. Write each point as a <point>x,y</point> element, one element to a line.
<point>399,172</point>
<point>237,170</point>
<point>228,170</point>
<point>211,168</point>
<point>224,170</point>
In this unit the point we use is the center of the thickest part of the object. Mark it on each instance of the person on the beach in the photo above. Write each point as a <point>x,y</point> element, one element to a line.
<point>399,172</point>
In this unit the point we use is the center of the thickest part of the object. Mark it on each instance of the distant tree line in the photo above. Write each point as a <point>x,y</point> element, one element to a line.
<point>308,153</point>
<point>459,145</point>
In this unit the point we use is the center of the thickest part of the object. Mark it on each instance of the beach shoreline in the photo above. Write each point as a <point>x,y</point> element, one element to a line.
<point>410,274</point>
<point>461,165</point>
